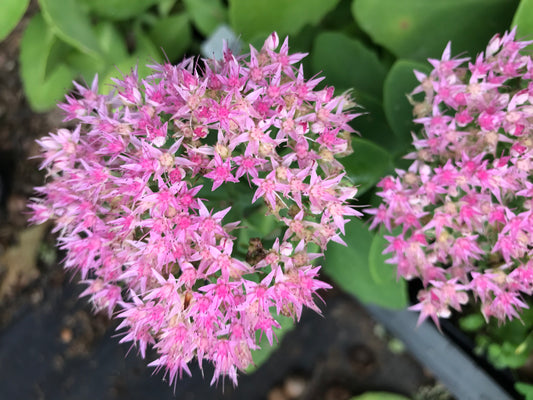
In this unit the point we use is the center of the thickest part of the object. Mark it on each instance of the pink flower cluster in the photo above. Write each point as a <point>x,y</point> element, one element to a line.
<point>462,213</point>
<point>123,190</point>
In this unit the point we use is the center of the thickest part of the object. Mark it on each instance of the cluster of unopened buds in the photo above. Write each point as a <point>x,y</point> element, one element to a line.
<point>128,190</point>
<point>463,210</point>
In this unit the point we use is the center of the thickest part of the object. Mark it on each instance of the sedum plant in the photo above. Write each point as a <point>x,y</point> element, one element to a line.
<point>154,189</point>
<point>462,210</point>
<point>71,39</point>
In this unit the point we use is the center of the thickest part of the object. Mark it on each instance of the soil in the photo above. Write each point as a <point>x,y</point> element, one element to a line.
<point>53,347</point>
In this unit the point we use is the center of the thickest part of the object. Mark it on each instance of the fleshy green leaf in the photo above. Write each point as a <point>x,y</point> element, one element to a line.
<point>347,63</point>
<point>165,6</point>
<point>372,125</point>
<point>349,266</point>
<point>399,83</point>
<point>472,322</point>
<point>113,46</point>
<point>523,20</point>
<point>12,12</point>
<point>367,164</point>
<point>341,20</point>
<point>145,53</point>
<point>505,356</point>
<point>119,9</point>
<point>42,89</point>
<point>85,65</point>
<point>59,51</point>
<point>394,294</point>
<point>207,15</point>
<point>257,224</point>
<point>524,388</point>
<point>145,49</point>
<point>69,22</point>
<point>122,68</point>
<point>379,396</point>
<point>172,34</point>
<point>253,18</point>
<point>111,42</point>
<point>419,29</point>
<point>261,355</point>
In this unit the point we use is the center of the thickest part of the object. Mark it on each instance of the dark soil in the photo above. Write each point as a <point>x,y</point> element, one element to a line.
<point>56,349</point>
<point>53,347</point>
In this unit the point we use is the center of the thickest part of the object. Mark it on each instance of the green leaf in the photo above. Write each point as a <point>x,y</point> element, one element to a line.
<point>515,331</point>
<point>123,68</point>
<point>85,65</point>
<point>472,322</point>
<point>145,53</point>
<point>111,42</point>
<point>384,274</point>
<point>505,355</point>
<point>113,47</point>
<point>399,83</point>
<point>119,9</point>
<point>145,49</point>
<point>42,89</point>
<point>349,267</point>
<point>379,396</point>
<point>172,34</point>
<point>12,12</point>
<point>206,15</point>
<point>69,22</point>
<point>165,6</point>
<point>253,18</point>
<point>255,223</point>
<point>367,164</point>
<point>340,19</point>
<point>57,54</point>
<point>419,29</point>
<point>523,21</point>
<point>524,388</point>
<point>372,124</point>
<point>261,355</point>
<point>347,63</point>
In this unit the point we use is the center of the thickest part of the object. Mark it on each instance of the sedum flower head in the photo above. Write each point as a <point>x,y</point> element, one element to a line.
<point>132,191</point>
<point>463,211</point>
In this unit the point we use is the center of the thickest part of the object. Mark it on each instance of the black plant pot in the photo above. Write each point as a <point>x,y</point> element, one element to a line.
<point>448,355</point>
